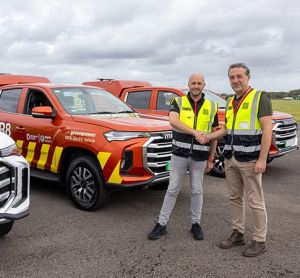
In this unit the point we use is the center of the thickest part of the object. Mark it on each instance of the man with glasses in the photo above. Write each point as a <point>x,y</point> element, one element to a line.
<point>248,132</point>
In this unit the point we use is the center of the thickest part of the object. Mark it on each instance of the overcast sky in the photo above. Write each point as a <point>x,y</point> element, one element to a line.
<point>159,41</point>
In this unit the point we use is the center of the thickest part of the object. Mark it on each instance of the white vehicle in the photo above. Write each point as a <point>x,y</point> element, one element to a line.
<point>14,184</point>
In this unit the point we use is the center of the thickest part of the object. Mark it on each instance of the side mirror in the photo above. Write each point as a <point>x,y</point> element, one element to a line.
<point>43,112</point>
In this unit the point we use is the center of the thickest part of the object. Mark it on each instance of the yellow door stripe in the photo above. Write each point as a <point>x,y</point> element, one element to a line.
<point>55,159</point>
<point>43,156</point>
<point>20,144</point>
<point>30,152</point>
<point>115,176</point>
<point>103,157</point>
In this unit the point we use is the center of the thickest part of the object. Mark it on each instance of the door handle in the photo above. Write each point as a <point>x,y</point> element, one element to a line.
<point>20,128</point>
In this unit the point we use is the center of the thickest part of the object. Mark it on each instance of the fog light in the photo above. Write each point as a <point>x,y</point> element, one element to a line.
<point>126,162</point>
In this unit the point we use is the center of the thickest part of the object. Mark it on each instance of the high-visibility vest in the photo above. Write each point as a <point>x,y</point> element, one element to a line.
<point>243,128</point>
<point>184,144</point>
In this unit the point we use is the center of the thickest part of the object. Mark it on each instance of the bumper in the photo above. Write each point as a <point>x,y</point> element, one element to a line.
<point>283,152</point>
<point>155,180</point>
<point>8,216</point>
<point>14,183</point>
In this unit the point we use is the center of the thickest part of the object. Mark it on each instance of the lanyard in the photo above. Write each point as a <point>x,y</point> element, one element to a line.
<point>240,101</point>
<point>195,107</point>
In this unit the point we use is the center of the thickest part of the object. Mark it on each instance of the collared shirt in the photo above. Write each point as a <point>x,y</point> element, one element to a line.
<point>174,107</point>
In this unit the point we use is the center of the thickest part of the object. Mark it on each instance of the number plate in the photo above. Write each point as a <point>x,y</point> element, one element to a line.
<point>168,165</point>
<point>290,142</point>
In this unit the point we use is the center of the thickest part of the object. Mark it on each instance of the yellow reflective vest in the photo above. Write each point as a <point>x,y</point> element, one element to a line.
<point>184,144</point>
<point>243,128</point>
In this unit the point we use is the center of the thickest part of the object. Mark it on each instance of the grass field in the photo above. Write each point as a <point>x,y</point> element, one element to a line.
<point>288,106</point>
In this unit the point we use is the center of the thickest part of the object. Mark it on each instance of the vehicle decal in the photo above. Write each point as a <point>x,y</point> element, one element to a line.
<point>33,137</point>
<point>80,136</point>
<point>81,133</point>
<point>55,159</point>
<point>30,152</point>
<point>45,138</point>
<point>43,157</point>
<point>5,128</point>
<point>115,176</point>
<point>103,157</point>
<point>41,138</point>
<point>20,144</point>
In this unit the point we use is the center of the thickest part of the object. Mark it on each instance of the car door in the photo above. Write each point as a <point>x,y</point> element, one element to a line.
<point>34,136</point>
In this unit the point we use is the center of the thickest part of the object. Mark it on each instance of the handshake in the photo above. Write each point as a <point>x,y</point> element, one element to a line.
<point>202,137</point>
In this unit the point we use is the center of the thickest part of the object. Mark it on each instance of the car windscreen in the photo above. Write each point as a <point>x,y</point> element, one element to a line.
<point>85,100</point>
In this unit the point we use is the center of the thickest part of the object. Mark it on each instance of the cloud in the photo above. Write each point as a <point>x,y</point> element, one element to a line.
<point>158,41</point>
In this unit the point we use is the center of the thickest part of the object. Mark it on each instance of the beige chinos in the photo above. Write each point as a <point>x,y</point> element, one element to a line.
<point>241,177</point>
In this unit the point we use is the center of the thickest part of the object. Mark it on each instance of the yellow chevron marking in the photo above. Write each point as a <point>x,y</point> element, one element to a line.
<point>103,157</point>
<point>43,157</point>
<point>115,176</point>
<point>30,152</point>
<point>20,144</point>
<point>55,159</point>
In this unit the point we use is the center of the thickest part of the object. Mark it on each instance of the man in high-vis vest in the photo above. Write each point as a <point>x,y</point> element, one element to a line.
<point>190,116</point>
<point>248,134</point>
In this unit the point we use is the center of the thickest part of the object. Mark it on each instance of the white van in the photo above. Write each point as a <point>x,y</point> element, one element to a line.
<point>14,184</point>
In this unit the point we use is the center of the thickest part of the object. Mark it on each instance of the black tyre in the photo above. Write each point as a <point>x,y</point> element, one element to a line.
<point>219,163</point>
<point>269,160</point>
<point>85,184</point>
<point>6,228</point>
<point>160,186</point>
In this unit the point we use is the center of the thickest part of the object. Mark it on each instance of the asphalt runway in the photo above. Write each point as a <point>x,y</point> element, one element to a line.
<point>58,240</point>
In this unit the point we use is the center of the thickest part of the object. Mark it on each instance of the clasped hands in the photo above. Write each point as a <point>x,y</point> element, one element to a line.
<point>202,137</point>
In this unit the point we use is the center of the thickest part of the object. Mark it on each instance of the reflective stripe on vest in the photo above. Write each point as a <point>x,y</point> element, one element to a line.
<point>188,146</point>
<point>238,148</point>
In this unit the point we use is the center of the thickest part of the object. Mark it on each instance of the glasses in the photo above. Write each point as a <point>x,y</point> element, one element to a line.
<point>240,65</point>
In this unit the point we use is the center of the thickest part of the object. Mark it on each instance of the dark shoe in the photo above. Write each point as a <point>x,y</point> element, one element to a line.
<point>255,248</point>
<point>197,232</point>
<point>235,239</point>
<point>157,232</point>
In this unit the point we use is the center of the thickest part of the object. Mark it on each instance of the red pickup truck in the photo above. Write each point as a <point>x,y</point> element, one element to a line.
<point>147,99</point>
<point>84,137</point>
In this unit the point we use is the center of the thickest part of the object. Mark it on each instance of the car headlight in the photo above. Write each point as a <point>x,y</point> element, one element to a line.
<point>124,135</point>
<point>11,150</point>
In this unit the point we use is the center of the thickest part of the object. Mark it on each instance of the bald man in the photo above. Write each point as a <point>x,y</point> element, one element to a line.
<point>190,116</point>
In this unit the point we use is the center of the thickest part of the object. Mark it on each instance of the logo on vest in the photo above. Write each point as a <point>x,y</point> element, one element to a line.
<point>187,108</point>
<point>205,112</point>
<point>245,105</point>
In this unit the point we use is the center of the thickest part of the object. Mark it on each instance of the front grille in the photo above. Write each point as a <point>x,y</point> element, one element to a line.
<point>157,152</point>
<point>285,132</point>
<point>7,183</point>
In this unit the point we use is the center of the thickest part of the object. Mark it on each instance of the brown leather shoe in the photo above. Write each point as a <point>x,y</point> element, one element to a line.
<point>255,248</point>
<point>235,239</point>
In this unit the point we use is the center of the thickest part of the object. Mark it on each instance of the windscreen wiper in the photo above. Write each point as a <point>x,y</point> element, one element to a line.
<point>125,111</point>
<point>101,113</point>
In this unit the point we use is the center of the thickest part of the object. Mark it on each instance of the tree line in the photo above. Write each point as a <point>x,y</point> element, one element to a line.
<point>295,94</point>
